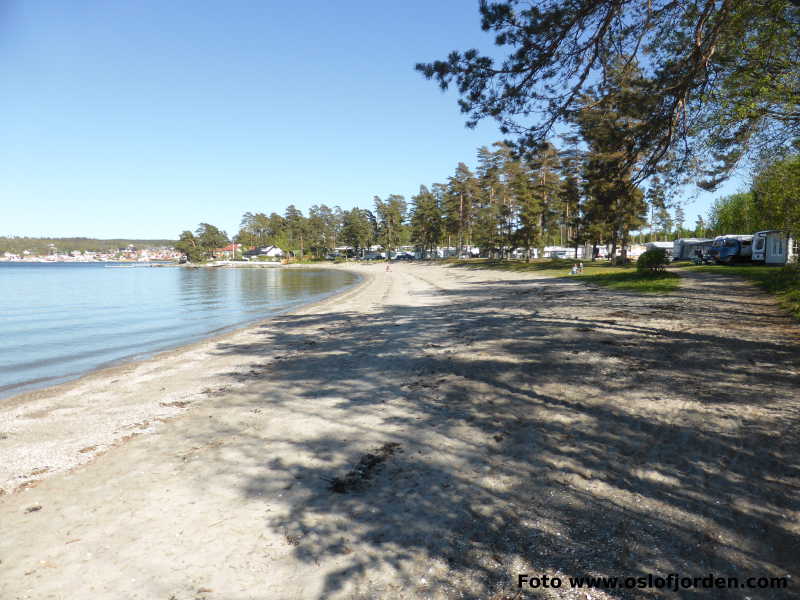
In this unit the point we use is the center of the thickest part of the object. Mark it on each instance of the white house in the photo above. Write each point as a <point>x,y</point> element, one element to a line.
<point>269,251</point>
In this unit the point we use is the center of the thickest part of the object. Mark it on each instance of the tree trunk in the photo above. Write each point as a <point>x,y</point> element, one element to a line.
<point>461,225</point>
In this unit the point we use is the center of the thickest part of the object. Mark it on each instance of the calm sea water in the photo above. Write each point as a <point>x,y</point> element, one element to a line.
<point>61,320</point>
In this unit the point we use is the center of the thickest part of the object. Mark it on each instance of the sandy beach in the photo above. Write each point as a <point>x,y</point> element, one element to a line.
<point>432,432</point>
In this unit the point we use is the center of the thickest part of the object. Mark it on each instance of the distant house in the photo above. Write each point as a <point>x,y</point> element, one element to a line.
<point>228,252</point>
<point>267,251</point>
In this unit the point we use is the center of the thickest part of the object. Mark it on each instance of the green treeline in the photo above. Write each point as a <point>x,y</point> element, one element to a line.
<point>318,233</point>
<point>566,197</point>
<point>508,202</point>
<point>773,202</point>
<point>42,246</point>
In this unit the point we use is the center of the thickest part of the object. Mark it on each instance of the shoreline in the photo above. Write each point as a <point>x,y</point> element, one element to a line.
<point>32,390</point>
<point>41,402</point>
<point>430,433</point>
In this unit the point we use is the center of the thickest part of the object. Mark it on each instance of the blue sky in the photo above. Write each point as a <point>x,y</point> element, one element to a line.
<point>141,119</point>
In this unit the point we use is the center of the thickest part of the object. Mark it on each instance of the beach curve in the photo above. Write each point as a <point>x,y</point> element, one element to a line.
<point>436,432</point>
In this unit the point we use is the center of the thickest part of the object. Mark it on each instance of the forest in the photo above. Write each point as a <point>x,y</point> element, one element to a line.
<point>507,202</point>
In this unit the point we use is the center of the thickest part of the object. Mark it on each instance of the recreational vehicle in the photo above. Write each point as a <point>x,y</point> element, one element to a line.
<point>688,248</point>
<point>636,250</point>
<point>728,249</point>
<point>590,252</point>
<point>562,252</point>
<point>773,247</point>
<point>667,247</point>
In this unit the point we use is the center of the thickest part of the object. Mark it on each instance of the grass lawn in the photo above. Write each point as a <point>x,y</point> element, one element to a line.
<point>784,282</point>
<point>600,273</point>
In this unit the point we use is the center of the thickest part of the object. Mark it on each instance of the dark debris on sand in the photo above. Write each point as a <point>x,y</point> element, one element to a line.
<point>364,470</point>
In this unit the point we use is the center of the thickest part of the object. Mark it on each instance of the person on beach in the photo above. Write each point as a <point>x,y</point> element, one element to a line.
<point>388,263</point>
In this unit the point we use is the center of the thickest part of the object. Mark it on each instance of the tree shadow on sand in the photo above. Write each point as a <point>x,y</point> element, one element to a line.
<point>527,441</point>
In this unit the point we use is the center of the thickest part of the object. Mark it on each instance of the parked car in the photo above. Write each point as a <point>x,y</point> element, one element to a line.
<point>404,256</point>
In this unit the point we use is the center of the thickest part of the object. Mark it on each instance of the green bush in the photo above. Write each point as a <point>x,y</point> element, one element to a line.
<point>652,260</point>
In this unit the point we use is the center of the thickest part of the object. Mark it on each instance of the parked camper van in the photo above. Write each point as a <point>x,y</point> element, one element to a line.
<point>728,249</point>
<point>687,248</point>
<point>773,247</point>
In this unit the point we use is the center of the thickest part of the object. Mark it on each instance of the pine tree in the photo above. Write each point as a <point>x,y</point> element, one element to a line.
<point>458,206</point>
<point>276,232</point>
<point>522,189</point>
<point>391,215</point>
<point>659,209</point>
<point>488,230</point>
<point>718,74</point>
<point>189,245</point>
<point>210,237</point>
<point>296,229</point>
<point>545,165</point>
<point>571,192</point>
<point>680,218</point>
<point>316,228</point>
<point>337,222</point>
<point>358,228</point>
<point>426,220</point>
<point>609,121</point>
<point>700,227</point>
<point>509,205</point>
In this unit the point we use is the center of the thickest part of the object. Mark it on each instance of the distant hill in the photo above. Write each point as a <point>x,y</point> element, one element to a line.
<point>42,245</point>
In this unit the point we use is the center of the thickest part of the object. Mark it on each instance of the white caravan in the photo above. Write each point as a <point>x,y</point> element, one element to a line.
<point>772,247</point>
<point>665,246</point>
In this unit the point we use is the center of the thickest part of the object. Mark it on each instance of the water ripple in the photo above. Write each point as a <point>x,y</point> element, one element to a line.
<point>58,321</point>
